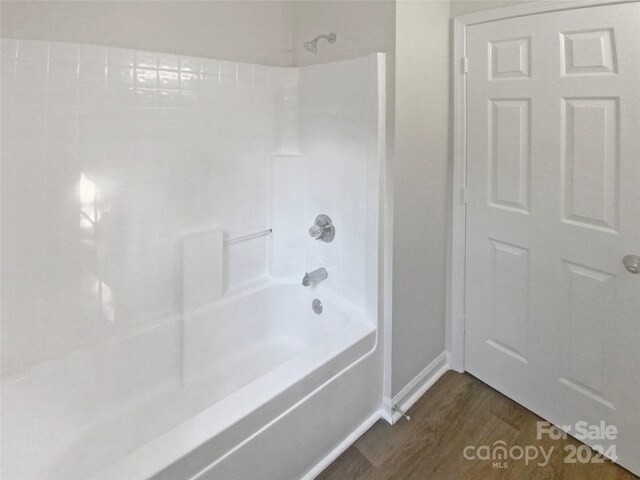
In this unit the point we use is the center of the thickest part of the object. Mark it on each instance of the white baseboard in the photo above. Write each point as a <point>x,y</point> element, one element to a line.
<point>404,400</point>
<point>416,387</point>
<point>339,450</point>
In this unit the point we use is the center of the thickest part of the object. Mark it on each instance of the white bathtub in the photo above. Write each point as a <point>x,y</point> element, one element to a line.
<point>182,397</point>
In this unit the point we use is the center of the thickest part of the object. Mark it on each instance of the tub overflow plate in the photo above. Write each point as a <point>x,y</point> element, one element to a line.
<point>317,306</point>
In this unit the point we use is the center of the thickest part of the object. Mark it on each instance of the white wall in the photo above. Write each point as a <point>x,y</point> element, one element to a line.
<point>421,186</point>
<point>339,141</point>
<point>241,31</point>
<point>336,173</point>
<point>109,156</point>
<point>362,27</point>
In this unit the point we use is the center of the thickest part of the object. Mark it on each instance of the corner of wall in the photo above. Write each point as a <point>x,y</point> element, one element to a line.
<point>421,161</point>
<point>394,408</point>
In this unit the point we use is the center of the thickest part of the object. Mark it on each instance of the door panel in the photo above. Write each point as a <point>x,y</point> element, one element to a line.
<point>590,162</point>
<point>510,140</point>
<point>510,272</point>
<point>590,302</point>
<point>553,181</point>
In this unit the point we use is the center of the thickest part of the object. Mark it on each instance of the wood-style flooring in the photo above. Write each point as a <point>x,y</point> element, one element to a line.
<point>460,410</point>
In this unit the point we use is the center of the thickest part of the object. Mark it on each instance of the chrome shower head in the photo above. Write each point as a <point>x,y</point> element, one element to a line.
<point>312,46</point>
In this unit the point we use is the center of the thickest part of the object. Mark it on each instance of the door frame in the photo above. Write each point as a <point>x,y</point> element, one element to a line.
<point>456,268</point>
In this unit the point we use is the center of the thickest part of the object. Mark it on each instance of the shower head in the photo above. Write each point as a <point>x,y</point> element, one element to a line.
<point>312,46</point>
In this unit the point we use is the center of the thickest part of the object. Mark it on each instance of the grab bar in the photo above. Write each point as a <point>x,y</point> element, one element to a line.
<point>248,237</point>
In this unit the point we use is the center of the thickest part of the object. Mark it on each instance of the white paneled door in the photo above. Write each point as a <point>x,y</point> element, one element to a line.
<point>553,189</point>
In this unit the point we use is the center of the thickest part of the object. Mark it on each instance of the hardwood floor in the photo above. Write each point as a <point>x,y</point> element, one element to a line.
<point>460,410</point>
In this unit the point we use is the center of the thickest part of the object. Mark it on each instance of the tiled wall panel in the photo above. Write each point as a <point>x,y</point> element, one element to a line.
<point>108,157</point>
<point>339,138</point>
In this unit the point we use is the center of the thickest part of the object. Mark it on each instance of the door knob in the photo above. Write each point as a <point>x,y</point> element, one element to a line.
<point>632,263</point>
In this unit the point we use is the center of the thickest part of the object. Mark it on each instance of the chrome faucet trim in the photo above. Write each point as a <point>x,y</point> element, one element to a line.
<point>323,229</point>
<point>317,275</point>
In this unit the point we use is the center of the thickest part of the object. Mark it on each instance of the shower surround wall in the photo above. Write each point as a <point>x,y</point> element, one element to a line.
<point>110,158</point>
<point>333,175</point>
<point>336,176</point>
<point>117,153</point>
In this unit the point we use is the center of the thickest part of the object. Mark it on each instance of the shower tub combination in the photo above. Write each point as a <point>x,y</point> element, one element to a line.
<point>253,382</point>
<point>247,363</point>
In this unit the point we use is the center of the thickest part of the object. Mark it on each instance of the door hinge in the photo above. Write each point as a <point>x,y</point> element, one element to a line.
<point>465,195</point>
<point>465,65</point>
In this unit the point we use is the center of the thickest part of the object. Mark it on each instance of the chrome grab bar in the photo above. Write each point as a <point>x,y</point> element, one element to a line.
<point>248,237</point>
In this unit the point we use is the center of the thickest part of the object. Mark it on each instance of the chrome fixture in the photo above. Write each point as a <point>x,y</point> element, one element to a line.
<point>317,275</point>
<point>323,229</point>
<point>316,305</point>
<point>632,263</point>
<point>312,46</point>
<point>248,237</point>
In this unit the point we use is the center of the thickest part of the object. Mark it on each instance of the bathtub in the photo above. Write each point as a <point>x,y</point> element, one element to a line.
<point>187,397</point>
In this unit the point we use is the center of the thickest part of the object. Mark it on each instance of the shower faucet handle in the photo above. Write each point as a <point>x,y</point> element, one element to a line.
<point>323,229</point>
<point>316,231</point>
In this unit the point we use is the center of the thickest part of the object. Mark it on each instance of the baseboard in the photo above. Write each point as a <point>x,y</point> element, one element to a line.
<point>339,450</point>
<point>404,400</point>
<point>417,387</point>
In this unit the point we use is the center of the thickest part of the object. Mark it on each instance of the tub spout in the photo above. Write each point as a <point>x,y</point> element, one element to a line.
<point>315,276</point>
